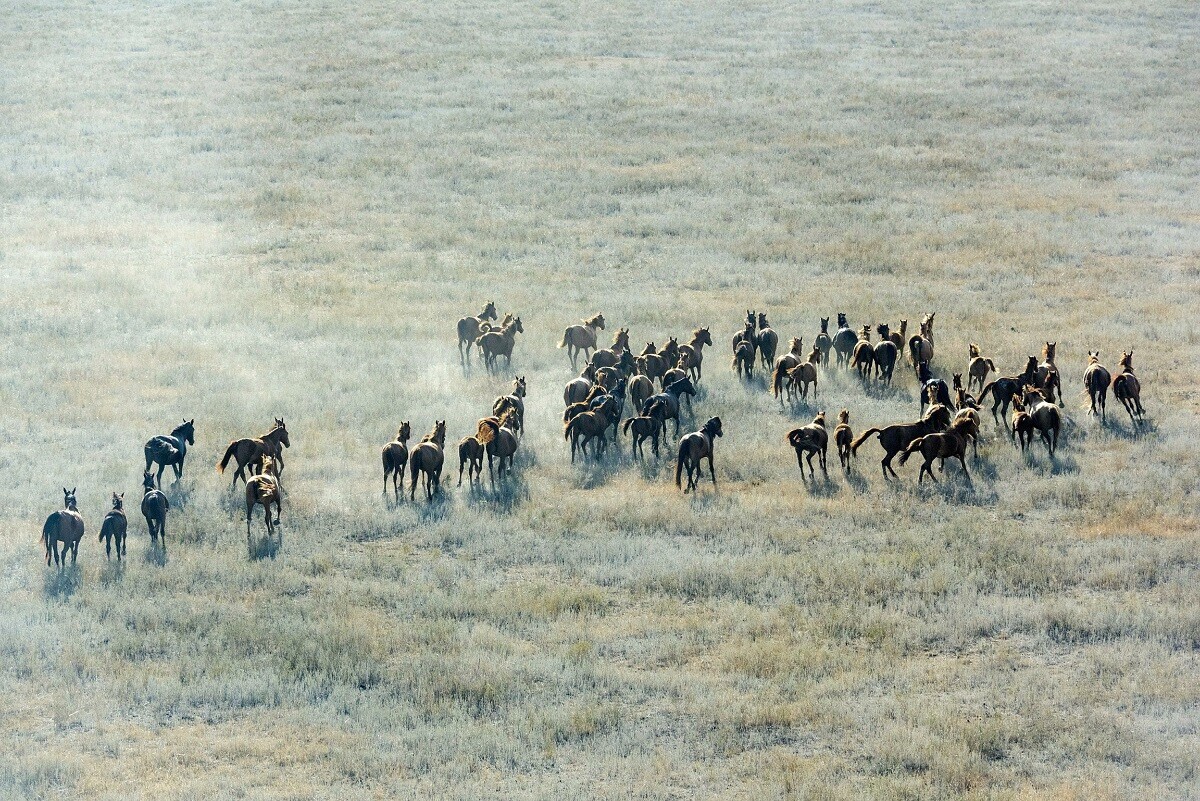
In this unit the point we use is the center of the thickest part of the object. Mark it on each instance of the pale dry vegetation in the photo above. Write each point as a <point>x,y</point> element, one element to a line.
<point>233,211</point>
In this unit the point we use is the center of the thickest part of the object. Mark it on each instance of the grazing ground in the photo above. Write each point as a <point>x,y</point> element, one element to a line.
<point>233,211</point>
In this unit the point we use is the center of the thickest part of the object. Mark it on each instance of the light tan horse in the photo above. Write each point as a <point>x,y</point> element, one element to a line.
<point>65,526</point>
<point>743,359</point>
<point>494,344</point>
<point>804,374</point>
<point>640,390</point>
<point>694,448</point>
<point>652,364</point>
<point>582,338</point>
<point>499,436</point>
<point>693,352</point>
<point>249,452</point>
<point>920,346</point>
<point>785,363</point>
<point>263,490</point>
<point>1127,389</point>
<point>395,458</point>
<point>1096,380</point>
<point>469,328</point>
<point>978,368</point>
<point>811,440</point>
<point>843,435</point>
<point>426,460</point>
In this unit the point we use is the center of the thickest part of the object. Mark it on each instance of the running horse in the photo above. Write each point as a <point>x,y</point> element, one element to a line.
<point>249,452</point>
<point>426,459</point>
<point>170,449</point>
<point>582,338</point>
<point>470,328</point>
<point>1127,389</point>
<point>694,448</point>
<point>65,526</point>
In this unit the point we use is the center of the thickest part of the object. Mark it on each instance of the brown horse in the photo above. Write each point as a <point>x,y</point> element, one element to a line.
<point>1048,377</point>
<point>666,403</point>
<point>767,341</point>
<point>611,356</point>
<point>590,425</point>
<point>469,328</point>
<point>1004,389</point>
<point>670,351</point>
<point>597,391</point>
<point>515,402</point>
<point>800,376</point>
<point>582,338</point>
<point>897,337</point>
<point>114,527</point>
<point>578,388</point>
<point>494,344</point>
<point>693,351</point>
<point>694,448</point>
<point>154,508</point>
<point>643,428</point>
<point>395,457</point>
<point>651,364</point>
<point>812,440</point>
<point>1096,379</point>
<point>1046,417</point>
<point>470,455</point>
<point>885,354</point>
<point>844,340</point>
<point>65,526</point>
<point>949,444</point>
<point>1022,424</point>
<point>743,359</point>
<point>170,449</point>
<point>250,451</point>
<point>426,460</point>
<point>978,368</point>
<point>499,436</point>
<point>842,437</point>
<point>1127,389</point>
<point>824,342</point>
<point>895,438</point>
<point>920,346</point>
<point>784,364</point>
<point>747,332</point>
<point>862,358</point>
<point>264,490</point>
<point>640,390</point>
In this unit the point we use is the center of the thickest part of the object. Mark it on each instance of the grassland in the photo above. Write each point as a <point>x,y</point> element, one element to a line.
<point>230,211</point>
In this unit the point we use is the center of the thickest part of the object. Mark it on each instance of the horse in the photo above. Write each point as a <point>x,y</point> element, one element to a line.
<point>973,424</point>
<point>1127,389</point>
<point>978,368</point>
<point>395,457</point>
<point>962,398</point>
<point>470,455</point>
<point>895,438</point>
<point>582,338</point>
<point>589,425</point>
<point>514,401</point>
<point>933,390</point>
<point>695,447</point>
<point>1045,416</point>
<point>154,508</point>
<point>65,526</point>
<point>640,390</point>
<point>693,352</point>
<point>743,359</point>
<point>426,459</point>
<point>842,437</point>
<point>766,341</point>
<point>1096,379</point>
<point>1006,388</point>
<point>812,440</point>
<point>785,363</point>
<point>670,351</point>
<point>666,402</point>
<point>651,364</point>
<point>803,374</point>
<point>844,341</point>
<point>885,354</point>
<point>494,344</point>
<point>499,436</point>
<point>264,490</point>
<point>250,451</point>
<point>611,357</point>
<point>170,449</point>
<point>469,328</point>
<point>920,346</point>
<point>897,337</point>
<point>641,428</point>
<point>578,388</point>
<point>949,444</point>
<point>617,395</point>
<point>1022,424</point>
<point>1047,377</point>
<point>597,391</point>
<point>862,358</point>
<point>823,342</point>
<point>747,332</point>
<point>114,527</point>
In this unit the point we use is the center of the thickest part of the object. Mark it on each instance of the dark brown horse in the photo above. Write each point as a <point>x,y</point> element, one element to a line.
<point>640,390</point>
<point>862,358</point>
<point>249,452</point>
<point>897,337</point>
<point>844,341</point>
<point>824,342</point>
<point>1096,379</point>
<point>1127,389</point>
<point>170,449</point>
<point>1046,417</point>
<point>920,346</point>
<point>395,457</point>
<point>590,425</point>
<point>694,351</point>
<point>767,342</point>
<point>154,508</point>
<point>470,455</point>
<point>743,359</point>
<point>499,436</point>
<point>651,364</point>
<point>494,344</point>
<point>426,460</point>
<point>640,429</point>
<point>949,444</point>
<point>114,527</point>
<point>843,435</point>
<point>263,490</point>
<point>811,440</point>
<point>1022,424</point>
<point>978,368</point>
<point>582,338</point>
<point>1048,378</point>
<point>747,332</point>
<point>885,354</point>
<point>469,328</point>
<point>670,351</point>
<point>1004,389</point>
<point>895,438</point>
<point>694,448</point>
<point>65,526</point>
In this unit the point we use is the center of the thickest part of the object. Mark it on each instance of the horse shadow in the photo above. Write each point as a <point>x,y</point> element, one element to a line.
<point>178,493</point>
<point>436,510</point>
<point>1056,465</point>
<point>62,583</point>
<point>822,487</point>
<point>508,494</point>
<point>959,490</point>
<point>1118,428</point>
<point>264,546</point>
<point>112,572</point>
<point>155,554</point>
<point>857,482</point>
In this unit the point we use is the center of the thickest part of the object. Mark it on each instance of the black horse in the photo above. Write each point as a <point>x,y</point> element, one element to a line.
<point>938,386</point>
<point>171,449</point>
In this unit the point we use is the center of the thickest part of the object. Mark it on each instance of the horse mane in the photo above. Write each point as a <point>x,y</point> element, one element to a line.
<point>974,350</point>
<point>432,433</point>
<point>843,417</point>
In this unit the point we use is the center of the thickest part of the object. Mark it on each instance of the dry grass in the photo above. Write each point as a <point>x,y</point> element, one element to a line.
<point>233,211</point>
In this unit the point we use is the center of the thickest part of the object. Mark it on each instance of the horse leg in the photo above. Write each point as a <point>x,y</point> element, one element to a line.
<point>963,462</point>
<point>120,546</point>
<point>412,488</point>
<point>824,461</point>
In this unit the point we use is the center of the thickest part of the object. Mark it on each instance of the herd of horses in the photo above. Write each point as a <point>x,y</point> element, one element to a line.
<point>659,383</point>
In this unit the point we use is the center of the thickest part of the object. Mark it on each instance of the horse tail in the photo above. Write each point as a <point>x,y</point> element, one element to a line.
<point>777,377</point>
<point>679,465</point>
<point>229,454</point>
<point>914,348</point>
<point>563,344</point>
<point>488,429</point>
<point>414,459</point>
<point>990,364</point>
<point>628,423</point>
<point>913,446</point>
<point>991,385</point>
<point>46,530</point>
<point>861,439</point>
<point>569,425</point>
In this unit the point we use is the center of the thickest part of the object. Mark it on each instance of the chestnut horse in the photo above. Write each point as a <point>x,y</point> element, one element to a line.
<point>499,436</point>
<point>785,363</point>
<point>949,444</point>
<point>823,342</point>
<point>264,490</point>
<point>843,435</point>
<point>1096,379</point>
<point>812,440</point>
<point>978,368</point>
<point>250,451</point>
<point>844,341</point>
<point>693,352</point>
<point>114,527</point>
<point>65,526</point>
<point>895,438</point>
<point>1127,389</point>
<point>582,338</point>
<point>1048,377</point>
<point>395,457</point>
<point>767,341</point>
<point>1046,417</point>
<point>469,328</point>
<point>494,344</point>
<point>920,346</point>
<point>885,355</point>
<point>426,460</point>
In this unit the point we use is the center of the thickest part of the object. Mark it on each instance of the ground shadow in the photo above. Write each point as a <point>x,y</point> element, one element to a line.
<point>62,583</point>
<point>265,546</point>
<point>155,554</point>
<point>112,572</point>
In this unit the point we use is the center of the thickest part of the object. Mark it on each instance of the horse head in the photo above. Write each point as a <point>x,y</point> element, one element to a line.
<point>118,501</point>
<point>404,433</point>
<point>762,321</point>
<point>489,311</point>
<point>69,501</point>
<point>841,320</point>
<point>824,325</point>
<point>519,386</point>
<point>703,335</point>
<point>713,427</point>
<point>884,330</point>
<point>187,431</point>
<point>844,417</point>
<point>148,482</point>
